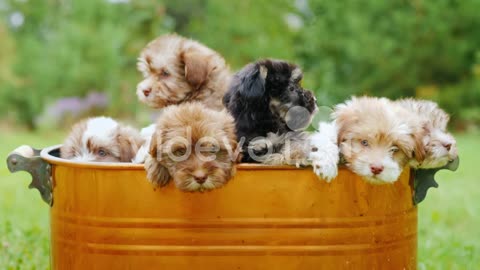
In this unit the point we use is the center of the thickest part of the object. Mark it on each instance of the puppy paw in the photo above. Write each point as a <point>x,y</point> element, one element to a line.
<point>157,174</point>
<point>258,146</point>
<point>324,167</point>
<point>141,155</point>
<point>301,163</point>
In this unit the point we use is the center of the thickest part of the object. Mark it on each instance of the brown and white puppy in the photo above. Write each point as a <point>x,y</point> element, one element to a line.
<point>377,137</point>
<point>439,145</point>
<point>194,146</point>
<point>176,69</point>
<point>101,139</point>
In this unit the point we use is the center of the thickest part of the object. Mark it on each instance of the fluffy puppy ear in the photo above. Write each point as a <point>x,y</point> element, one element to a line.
<point>252,81</point>
<point>153,145</point>
<point>196,68</point>
<point>419,151</point>
<point>343,118</point>
<point>129,141</point>
<point>157,174</point>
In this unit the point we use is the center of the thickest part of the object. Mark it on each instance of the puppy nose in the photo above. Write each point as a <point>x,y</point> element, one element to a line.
<point>147,92</point>
<point>447,145</point>
<point>200,176</point>
<point>376,169</point>
<point>200,179</point>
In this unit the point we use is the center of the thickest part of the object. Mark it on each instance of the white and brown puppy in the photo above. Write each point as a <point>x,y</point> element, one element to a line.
<point>176,70</point>
<point>194,146</point>
<point>439,145</point>
<point>101,139</point>
<point>377,137</point>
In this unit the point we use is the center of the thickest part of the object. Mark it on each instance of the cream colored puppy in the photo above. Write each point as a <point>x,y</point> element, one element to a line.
<point>440,147</point>
<point>377,137</point>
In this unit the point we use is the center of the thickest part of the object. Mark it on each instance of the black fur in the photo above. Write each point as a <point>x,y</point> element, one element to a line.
<point>249,100</point>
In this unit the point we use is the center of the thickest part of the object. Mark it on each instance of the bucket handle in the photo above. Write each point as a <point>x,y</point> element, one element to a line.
<point>425,179</point>
<point>26,158</point>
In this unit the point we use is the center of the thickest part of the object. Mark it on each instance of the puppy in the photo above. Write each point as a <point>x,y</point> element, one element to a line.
<point>440,146</point>
<point>101,139</point>
<point>377,137</point>
<point>267,101</point>
<point>193,145</point>
<point>176,70</point>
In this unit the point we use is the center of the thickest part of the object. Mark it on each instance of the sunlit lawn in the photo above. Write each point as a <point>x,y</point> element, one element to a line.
<point>449,222</point>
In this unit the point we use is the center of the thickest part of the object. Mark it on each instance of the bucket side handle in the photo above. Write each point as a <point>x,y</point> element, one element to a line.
<point>26,158</point>
<point>425,179</point>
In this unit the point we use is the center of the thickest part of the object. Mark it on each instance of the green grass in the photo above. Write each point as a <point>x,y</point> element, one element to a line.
<point>449,221</point>
<point>24,227</point>
<point>449,218</point>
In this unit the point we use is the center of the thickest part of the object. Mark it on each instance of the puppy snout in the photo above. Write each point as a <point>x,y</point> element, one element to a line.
<point>146,92</point>
<point>376,169</point>
<point>200,177</point>
<point>448,146</point>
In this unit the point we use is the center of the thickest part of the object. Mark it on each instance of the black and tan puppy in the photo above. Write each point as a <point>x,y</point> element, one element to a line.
<point>267,101</point>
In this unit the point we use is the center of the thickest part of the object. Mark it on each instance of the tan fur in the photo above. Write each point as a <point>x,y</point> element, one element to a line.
<point>384,126</point>
<point>121,145</point>
<point>433,137</point>
<point>178,70</point>
<point>73,143</point>
<point>187,126</point>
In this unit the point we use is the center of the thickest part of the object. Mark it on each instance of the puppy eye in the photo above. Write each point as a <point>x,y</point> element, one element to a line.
<point>364,142</point>
<point>394,149</point>
<point>164,73</point>
<point>102,153</point>
<point>179,152</point>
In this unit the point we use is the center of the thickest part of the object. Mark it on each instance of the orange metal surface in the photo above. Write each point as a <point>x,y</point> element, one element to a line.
<point>108,216</point>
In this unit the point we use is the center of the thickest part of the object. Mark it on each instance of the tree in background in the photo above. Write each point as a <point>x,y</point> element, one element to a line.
<point>396,48</point>
<point>392,48</point>
<point>71,48</point>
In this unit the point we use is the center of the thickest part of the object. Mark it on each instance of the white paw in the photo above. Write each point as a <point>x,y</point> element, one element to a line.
<point>141,155</point>
<point>324,167</point>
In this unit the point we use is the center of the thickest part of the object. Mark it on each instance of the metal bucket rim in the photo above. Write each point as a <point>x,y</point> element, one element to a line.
<point>45,155</point>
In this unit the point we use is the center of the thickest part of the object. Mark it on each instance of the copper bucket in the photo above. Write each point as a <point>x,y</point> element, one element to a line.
<point>108,216</point>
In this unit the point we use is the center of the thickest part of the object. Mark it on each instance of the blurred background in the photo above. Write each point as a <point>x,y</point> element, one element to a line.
<point>61,60</point>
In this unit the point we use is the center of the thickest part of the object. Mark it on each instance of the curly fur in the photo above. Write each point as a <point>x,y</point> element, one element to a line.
<point>195,146</point>
<point>377,137</point>
<point>266,100</point>
<point>176,69</point>
<point>439,146</point>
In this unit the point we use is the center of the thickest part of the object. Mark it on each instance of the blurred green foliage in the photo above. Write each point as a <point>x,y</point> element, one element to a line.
<point>428,49</point>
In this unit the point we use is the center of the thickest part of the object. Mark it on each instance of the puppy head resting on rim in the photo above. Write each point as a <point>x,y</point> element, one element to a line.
<point>193,145</point>
<point>439,145</point>
<point>376,137</point>
<point>101,139</point>
<point>176,69</point>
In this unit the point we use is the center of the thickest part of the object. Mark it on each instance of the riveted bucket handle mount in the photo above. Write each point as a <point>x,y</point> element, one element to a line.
<point>26,158</point>
<point>425,179</point>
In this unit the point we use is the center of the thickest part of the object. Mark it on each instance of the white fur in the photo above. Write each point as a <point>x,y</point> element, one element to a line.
<point>438,156</point>
<point>325,159</point>
<point>146,133</point>
<point>390,173</point>
<point>103,129</point>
